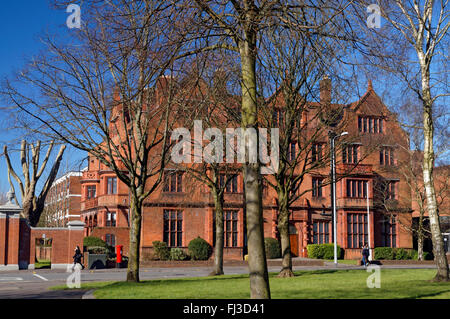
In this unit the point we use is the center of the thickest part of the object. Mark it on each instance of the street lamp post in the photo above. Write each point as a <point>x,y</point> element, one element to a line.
<point>333,137</point>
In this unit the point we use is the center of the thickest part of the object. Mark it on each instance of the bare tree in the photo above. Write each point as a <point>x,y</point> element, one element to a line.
<point>421,27</point>
<point>297,65</point>
<point>33,204</point>
<point>110,93</point>
<point>238,26</point>
<point>216,108</point>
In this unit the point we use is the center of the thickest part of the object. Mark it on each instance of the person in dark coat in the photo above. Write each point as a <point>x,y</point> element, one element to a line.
<point>77,258</point>
<point>365,255</point>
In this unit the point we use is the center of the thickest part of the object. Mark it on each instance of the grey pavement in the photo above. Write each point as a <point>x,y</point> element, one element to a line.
<point>35,284</point>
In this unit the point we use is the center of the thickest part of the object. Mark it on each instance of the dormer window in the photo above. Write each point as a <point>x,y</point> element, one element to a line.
<point>370,124</point>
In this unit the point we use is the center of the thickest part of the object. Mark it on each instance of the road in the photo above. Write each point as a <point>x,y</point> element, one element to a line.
<point>35,284</point>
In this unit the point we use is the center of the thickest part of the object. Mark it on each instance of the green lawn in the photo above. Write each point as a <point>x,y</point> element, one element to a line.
<point>42,264</point>
<point>345,261</point>
<point>334,284</point>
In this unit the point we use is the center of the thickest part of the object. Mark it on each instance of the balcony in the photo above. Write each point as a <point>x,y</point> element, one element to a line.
<point>90,175</point>
<point>89,204</point>
<point>354,169</point>
<point>113,199</point>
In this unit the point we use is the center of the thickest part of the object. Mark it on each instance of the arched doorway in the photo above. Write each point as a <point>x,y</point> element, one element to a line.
<point>86,227</point>
<point>293,238</point>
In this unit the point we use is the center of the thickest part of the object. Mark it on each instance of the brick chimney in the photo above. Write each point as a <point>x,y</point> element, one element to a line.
<point>325,90</point>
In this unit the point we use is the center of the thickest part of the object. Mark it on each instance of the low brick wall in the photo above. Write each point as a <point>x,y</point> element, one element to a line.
<point>210,263</point>
<point>234,253</point>
<point>64,242</point>
<point>122,236</point>
<point>352,253</point>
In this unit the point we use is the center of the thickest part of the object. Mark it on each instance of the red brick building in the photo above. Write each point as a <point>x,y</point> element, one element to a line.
<point>62,203</point>
<point>441,175</point>
<point>180,210</point>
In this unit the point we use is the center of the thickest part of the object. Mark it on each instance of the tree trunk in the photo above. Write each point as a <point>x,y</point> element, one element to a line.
<point>420,246</point>
<point>27,204</point>
<point>420,237</point>
<point>428,165</point>
<point>283,228</point>
<point>257,263</point>
<point>218,248</point>
<point>135,239</point>
<point>32,205</point>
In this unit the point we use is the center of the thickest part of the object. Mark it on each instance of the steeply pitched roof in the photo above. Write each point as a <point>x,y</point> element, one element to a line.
<point>370,104</point>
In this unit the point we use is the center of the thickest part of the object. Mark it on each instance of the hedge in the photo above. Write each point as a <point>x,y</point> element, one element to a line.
<point>272,247</point>
<point>178,254</point>
<point>199,249</point>
<point>389,253</point>
<point>402,254</point>
<point>323,251</point>
<point>92,241</point>
<point>97,250</point>
<point>380,253</point>
<point>161,251</point>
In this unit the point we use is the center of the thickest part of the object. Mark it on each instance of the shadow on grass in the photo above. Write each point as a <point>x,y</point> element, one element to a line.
<point>434,294</point>
<point>317,272</point>
<point>175,281</point>
<point>316,284</point>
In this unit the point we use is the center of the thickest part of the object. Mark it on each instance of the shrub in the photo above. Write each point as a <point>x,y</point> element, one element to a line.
<point>199,249</point>
<point>161,251</point>
<point>95,245</point>
<point>381,253</point>
<point>92,241</point>
<point>97,250</point>
<point>413,254</point>
<point>323,251</point>
<point>427,256</point>
<point>273,249</point>
<point>178,254</point>
<point>314,251</point>
<point>401,254</point>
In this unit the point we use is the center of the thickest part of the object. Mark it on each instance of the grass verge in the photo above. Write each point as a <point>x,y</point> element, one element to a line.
<point>345,261</point>
<point>320,284</point>
<point>42,264</point>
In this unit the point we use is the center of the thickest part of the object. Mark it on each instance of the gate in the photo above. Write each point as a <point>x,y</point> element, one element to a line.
<point>43,251</point>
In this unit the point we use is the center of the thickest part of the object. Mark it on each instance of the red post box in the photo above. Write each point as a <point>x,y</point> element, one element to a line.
<point>119,254</point>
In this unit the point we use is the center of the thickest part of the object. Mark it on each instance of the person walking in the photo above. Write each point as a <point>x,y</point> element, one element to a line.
<point>77,258</point>
<point>365,255</point>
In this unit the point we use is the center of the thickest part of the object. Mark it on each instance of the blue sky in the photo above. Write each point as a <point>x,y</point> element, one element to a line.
<point>21,22</point>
